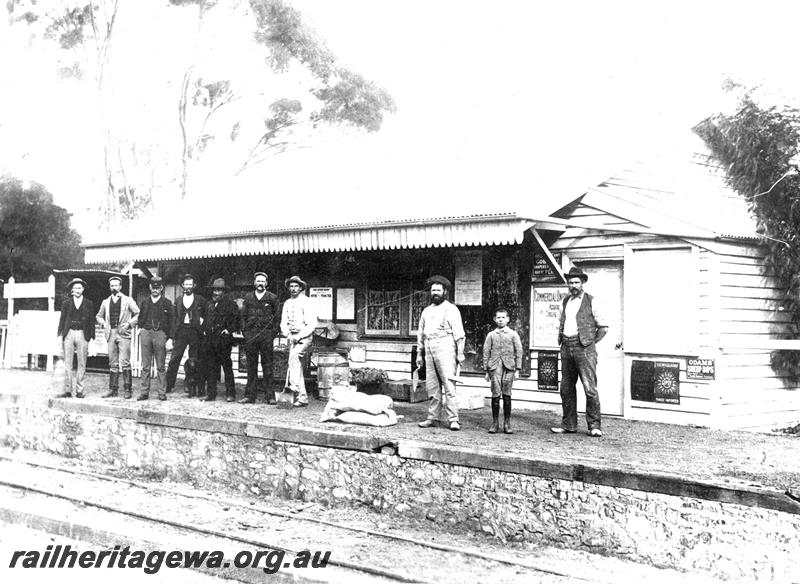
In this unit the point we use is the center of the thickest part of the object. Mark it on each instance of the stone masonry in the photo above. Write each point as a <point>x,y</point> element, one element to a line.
<point>724,539</point>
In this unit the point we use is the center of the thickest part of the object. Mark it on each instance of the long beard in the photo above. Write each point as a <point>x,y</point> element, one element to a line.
<point>437,299</point>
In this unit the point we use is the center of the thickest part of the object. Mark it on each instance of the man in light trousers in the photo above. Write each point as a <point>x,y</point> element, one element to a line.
<point>118,315</point>
<point>441,333</point>
<point>298,321</point>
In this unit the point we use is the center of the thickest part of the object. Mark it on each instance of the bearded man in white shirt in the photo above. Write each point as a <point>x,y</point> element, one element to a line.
<point>441,336</point>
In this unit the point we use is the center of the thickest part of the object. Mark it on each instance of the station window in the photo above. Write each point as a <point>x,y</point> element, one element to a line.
<point>383,310</point>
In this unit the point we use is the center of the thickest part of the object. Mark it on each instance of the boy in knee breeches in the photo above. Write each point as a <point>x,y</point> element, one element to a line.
<point>502,360</point>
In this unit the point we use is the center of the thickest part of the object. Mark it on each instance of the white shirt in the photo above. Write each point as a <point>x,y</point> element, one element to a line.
<point>298,313</point>
<point>438,319</point>
<point>188,300</point>
<point>571,315</point>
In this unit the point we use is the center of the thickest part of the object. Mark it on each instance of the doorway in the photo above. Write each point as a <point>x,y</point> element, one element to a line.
<point>605,285</point>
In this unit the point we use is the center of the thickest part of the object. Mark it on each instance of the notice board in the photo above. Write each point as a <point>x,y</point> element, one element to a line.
<point>546,314</point>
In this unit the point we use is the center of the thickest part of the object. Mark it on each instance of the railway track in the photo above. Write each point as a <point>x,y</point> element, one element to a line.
<point>104,510</point>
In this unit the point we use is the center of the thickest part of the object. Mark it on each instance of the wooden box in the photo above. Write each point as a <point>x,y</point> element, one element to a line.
<point>402,391</point>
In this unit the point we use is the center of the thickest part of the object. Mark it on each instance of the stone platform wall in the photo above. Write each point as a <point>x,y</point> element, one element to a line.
<point>732,540</point>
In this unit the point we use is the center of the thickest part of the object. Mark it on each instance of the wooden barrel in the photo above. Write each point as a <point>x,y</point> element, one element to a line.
<point>332,370</point>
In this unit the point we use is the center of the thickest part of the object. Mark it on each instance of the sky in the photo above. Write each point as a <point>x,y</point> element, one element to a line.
<point>508,105</point>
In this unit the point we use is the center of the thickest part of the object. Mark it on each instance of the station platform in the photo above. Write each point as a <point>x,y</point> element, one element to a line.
<point>672,496</point>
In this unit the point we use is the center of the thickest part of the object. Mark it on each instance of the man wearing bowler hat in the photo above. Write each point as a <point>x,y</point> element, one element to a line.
<point>298,321</point>
<point>118,315</point>
<point>441,336</point>
<point>222,320</point>
<point>76,329</point>
<point>156,331</point>
<point>190,310</point>
<point>581,327</point>
<point>260,318</point>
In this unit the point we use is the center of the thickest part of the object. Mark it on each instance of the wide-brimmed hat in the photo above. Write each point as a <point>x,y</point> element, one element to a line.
<point>296,280</point>
<point>117,278</point>
<point>157,281</point>
<point>257,274</point>
<point>219,284</point>
<point>76,281</point>
<point>576,273</point>
<point>438,279</point>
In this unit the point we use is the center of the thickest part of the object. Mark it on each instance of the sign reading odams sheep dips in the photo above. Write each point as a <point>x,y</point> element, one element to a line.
<point>700,369</point>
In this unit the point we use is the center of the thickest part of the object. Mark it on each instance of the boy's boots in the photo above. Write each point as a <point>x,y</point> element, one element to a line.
<point>495,415</point>
<point>127,383</point>
<point>113,384</point>
<point>507,415</point>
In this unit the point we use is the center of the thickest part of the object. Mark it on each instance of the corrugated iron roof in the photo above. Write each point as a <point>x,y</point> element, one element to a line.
<point>454,231</point>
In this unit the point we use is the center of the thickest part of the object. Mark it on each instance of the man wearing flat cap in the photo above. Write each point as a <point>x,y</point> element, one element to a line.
<point>298,321</point>
<point>580,328</point>
<point>222,320</point>
<point>441,336</point>
<point>76,329</point>
<point>118,315</point>
<point>156,331</point>
<point>190,311</point>
<point>260,319</point>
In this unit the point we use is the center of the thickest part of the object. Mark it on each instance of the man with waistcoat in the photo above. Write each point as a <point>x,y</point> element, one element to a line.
<point>221,321</point>
<point>581,327</point>
<point>260,320</point>
<point>118,315</point>
<point>190,311</point>
<point>298,321</point>
<point>441,336</point>
<point>76,329</point>
<point>156,331</point>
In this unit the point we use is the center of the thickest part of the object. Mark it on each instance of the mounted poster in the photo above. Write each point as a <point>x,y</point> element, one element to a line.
<point>547,371</point>
<point>655,381</point>
<point>322,301</point>
<point>542,270</point>
<point>666,386</point>
<point>345,304</point>
<point>469,278</point>
<point>546,315</point>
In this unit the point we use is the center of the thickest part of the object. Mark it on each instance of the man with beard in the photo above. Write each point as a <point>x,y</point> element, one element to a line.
<point>581,327</point>
<point>76,329</point>
<point>118,315</point>
<point>157,329</point>
<point>259,323</point>
<point>190,311</point>
<point>441,336</point>
<point>222,320</point>
<point>298,322</point>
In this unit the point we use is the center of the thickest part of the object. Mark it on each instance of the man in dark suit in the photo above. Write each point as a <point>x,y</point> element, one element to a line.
<point>260,320</point>
<point>190,311</point>
<point>76,329</point>
<point>156,331</point>
<point>222,320</point>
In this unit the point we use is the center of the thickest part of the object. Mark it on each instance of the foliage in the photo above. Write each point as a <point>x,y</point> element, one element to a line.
<point>368,376</point>
<point>229,117</point>
<point>758,146</point>
<point>35,234</point>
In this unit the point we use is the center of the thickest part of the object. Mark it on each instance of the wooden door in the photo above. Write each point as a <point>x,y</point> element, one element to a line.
<point>605,285</point>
